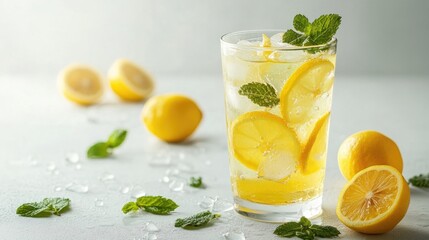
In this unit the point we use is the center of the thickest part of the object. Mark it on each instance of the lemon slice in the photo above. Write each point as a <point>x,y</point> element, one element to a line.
<point>313,156</point>
<point>374,201</point>
<point>262,142</point>
<point>80,84</point>
<point>307,96</point>
<point>129,81</point>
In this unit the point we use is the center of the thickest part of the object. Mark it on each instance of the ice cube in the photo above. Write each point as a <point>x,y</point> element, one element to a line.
<point>277,165</point>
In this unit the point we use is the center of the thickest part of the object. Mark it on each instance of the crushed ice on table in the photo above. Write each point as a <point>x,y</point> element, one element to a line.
<point>138,191</point>
<point>52,169</point>
<point>77,187</point>
<point>125,189</point>
<point>177,185</point>
<point>150,227</point>
<point>106,177</point>
<point>78,166</point>
<point>72,158</point>
<point>234,235</point>
<point>215,204</point>
<point>98,202</point>
<point>57,188</point>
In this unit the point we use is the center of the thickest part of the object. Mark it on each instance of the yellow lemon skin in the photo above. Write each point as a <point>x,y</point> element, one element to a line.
<point>386,197</point>
<point>367,148</point>
<point>171,117</point>
<point>129,81</point>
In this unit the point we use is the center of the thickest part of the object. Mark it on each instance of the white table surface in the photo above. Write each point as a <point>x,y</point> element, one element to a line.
<point>37,123</point>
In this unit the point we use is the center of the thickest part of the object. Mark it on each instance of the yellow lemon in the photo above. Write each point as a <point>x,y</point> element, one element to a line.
<point>367,148</point>
<point>307,96</point>
<point>262,142</point>
<point>129,81</point>
<point>171,117</point>
<point>314,153</point>
<point>374,201</point>
<point>80,84</point>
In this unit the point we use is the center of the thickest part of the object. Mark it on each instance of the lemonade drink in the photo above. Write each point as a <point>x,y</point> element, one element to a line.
<point>278,103</point>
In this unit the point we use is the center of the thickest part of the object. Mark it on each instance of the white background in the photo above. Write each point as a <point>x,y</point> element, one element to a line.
<point>385,37</point>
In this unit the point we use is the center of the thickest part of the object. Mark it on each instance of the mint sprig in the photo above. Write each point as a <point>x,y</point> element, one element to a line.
<point>421,181</point>
<point>320,31</point>
<point>105,149</point>
<point>197,220</point>
<point>196,182</point>
<point>259,93</point>
<point>44,208</point>
<point>305,230</point>
<point>152,204</point>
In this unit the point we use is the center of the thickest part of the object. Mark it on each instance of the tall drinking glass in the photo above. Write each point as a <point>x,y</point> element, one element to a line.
<point>278,104</point>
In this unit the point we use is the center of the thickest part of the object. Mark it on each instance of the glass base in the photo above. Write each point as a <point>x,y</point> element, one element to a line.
<point>279,213</point>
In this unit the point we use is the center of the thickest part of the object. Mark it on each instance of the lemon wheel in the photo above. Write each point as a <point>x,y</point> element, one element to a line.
<point>374,201</point>
<point>262,142</point>
<point>307,96</point>
<point>80,84</point>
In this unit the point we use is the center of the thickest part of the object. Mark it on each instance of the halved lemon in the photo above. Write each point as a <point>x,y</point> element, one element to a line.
<point>307,96</point>
<point>80,84</point>
<point>129,81</point>
<point>313,156</point>
<point>262,142</point>
<point>374,201</point>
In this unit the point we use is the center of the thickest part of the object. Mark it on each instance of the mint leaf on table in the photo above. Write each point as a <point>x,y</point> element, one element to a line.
<point>261,94</point>
<point>105,149</point>
<point>99,150</point>
<point>421,180</point>
<point>117,138</point>
<point>320,31</point>
<point>152,204</point>
<point>305,230</point>
<point>196,182</point>
<point>44,208</point>
<point>197,220</point>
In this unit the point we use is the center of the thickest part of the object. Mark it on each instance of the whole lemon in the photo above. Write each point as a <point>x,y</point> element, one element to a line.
<point>365,149</point>
<point>171,117</point>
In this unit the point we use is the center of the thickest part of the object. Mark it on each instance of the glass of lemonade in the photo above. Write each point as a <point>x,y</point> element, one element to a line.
<point>278,104</point>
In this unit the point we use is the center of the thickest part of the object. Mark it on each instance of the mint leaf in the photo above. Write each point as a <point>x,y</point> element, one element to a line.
<point>301,23</point>
<point>305,230</point>
<point>324,231</point>
<point>99,150</point>
<point>324,28</point>
<point>320,31</point>
<point>44,208</point>
<point>421,180</point>
<point>152,204</point>
<point>294,38</point>
<point>197,220</point>
<point>117,138</point>
<point>288,229</point>
<point>196,182</point>
<point>261,94</point>
<point>130,207</point>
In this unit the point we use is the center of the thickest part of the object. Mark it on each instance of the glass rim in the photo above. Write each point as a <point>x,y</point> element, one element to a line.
<point>331,43</point>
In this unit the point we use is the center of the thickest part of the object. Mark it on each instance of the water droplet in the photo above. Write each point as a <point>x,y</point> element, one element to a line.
<point>106,176</point>
<point>78,167</point>
<point>125,189</point>
<point>165,179</point>
<point>150,227</point>
<point>72,158</point>
<point>57,188</point>
<point>98,202</point>
<point>234,236</point>
<point>137,192</point>
<point>77,187</point>
<point>176,185</point>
